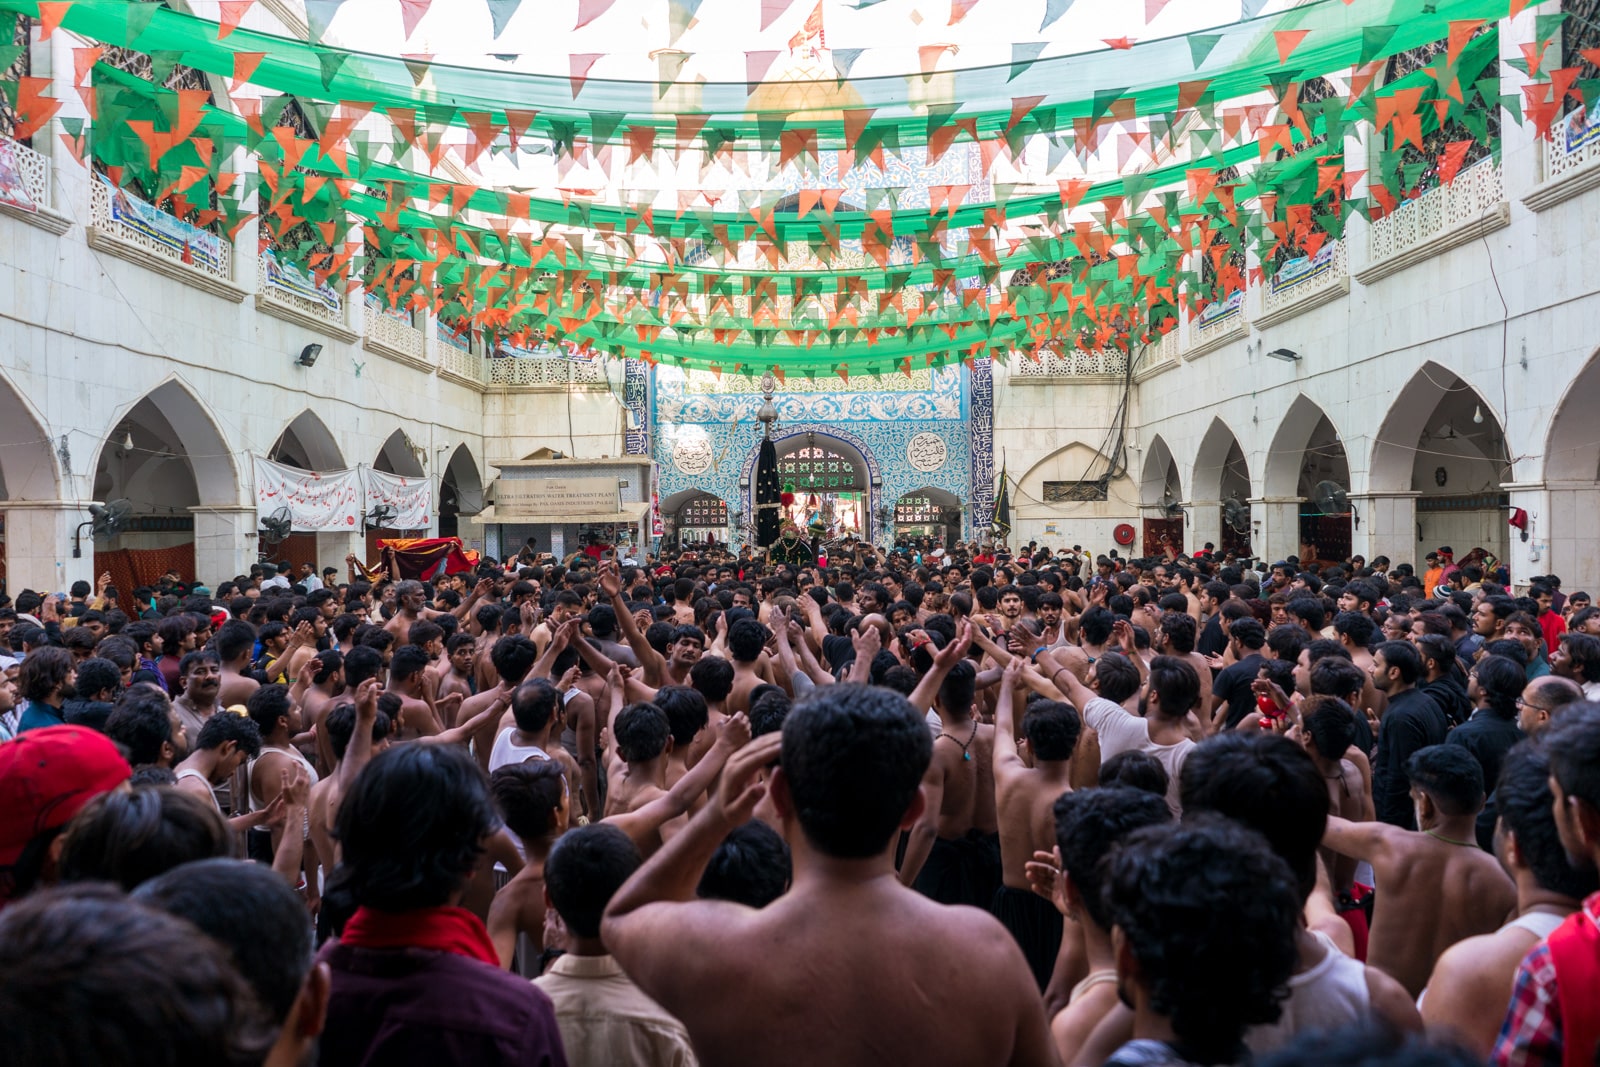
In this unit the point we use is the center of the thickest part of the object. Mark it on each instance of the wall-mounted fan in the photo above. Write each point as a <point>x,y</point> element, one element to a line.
<point>1330,498</point>
<point>381,516</point>
<point>1236,513</point>
<point>276,528</point>
<point>105,522</point>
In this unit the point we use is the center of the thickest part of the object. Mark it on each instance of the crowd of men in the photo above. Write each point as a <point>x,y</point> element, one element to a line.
<point>962,807</point>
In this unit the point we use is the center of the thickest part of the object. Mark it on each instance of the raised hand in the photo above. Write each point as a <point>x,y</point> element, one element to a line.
<point>734,731</point>
<point>866,641</point>
<point>739,790</point>
<point>568,679</point>
<point>947,656</point>
<point>610,579</point>
<point>307,673</point>
<point>367,701</point>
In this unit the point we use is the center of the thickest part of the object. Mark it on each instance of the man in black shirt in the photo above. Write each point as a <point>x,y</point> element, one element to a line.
<point>1212,638</point>
<point>1411,721</point>
<point>1232,686</point>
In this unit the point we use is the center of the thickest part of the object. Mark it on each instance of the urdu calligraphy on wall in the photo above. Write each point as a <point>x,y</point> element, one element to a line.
<point>926,451</point>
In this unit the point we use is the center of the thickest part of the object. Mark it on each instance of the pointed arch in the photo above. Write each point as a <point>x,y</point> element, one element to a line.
<point>396,457</point>
<point>1160,483</point>
<point>1305,449</point>
<point>1439,420</point>
<point>307,443</point>
<point>1572,446</point>
<point>463,481</point>
<point>169,427</point>
<point>28,469</point>
<point>1221,470</point>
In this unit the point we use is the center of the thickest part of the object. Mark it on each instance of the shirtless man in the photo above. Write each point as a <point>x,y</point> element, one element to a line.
<point>746,639</point>
<point>1327,730</point>
<point>1471,984</point>
<point>410,601</point>
<point>567,605</point>
<point>339,724</point>
<point>950,855</point>
<point>687,643</point>
<point>536,801</point>
<point>1025,801</point>
<point>513,657</point>
<point>1439,887</point>
<point>852,759</point>
<point>457,675</point>
<point>407,671</point>
<point>636,755</point>
<point>234,642</point>
<point>712,677</point>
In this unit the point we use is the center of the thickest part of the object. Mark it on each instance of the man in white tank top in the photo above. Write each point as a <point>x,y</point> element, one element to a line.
<point>279,721</point>
<point>1471,983</point>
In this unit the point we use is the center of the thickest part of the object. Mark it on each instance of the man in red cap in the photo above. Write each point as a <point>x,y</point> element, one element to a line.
<point>46,777</point>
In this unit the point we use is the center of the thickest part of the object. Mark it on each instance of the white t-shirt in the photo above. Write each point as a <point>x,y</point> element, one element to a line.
<point>1120,731</point>
<point>507,751</point>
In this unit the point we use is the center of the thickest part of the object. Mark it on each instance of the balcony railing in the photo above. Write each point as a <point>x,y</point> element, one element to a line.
<point>1072,363</point>
<point>1158,356</point>
<point>1304,283</point>
<point>459,363</point>
<point>125,226</point>
<point>1438,220</point>
<point>288,293</point>
<point>25,187</point>
<point>515,371</point>
<point>1218,323</point>
<point>392,333</point>
<point>1571,161</point>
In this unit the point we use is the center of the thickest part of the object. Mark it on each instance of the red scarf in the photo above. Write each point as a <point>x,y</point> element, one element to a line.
<point>442,929</point>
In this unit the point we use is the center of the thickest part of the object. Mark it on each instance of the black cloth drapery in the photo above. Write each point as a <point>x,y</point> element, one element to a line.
<point>769,512</point>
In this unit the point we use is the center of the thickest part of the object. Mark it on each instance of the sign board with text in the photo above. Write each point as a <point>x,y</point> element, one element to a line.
<point>553,499</point>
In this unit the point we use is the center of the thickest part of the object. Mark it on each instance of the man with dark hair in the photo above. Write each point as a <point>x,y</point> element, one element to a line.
<point>852,761</point>
<point>220,748</point>
<point>1466,996</point>
<point>604,1017</point>
<point>1436,886</point>
<point>636,757</point>
<point>746,639</point>
<point>95,686</point>
<point>1089,825</point>
<point>45,681</point>
<point>234,903</point>
<point>199,682</point>
<point>1270,784</point>
<point>1205,916</point>
<point>143,723</point>
<point>1554,1017</point>
<point>1494,686</point>
<point>178,998</point>
<point>1411,721</point>
<point>405,938</point>
<point>752,867</point>
<point>1577,656</point>
<point>1231,693</point>
<point>1025,794</point>
<point>953,851</point>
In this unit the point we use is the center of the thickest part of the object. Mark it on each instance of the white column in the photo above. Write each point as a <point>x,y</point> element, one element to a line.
<point>1388,526</point>
<point>332,548</point>
<point>1561,534</point>
<point>39,545</point>
<point>1205,524</point>
<point>1275,526</point>
<point>225,541</point>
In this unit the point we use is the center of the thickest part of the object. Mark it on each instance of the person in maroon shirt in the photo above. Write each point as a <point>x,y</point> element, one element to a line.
<point>415,977</point>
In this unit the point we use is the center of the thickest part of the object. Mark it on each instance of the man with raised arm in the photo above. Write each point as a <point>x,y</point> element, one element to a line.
<point>948,986</point>
<point>1025,797</point>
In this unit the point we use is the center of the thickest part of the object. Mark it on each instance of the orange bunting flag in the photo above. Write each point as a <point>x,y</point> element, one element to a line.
<point>51,12</point>
<point>1287,41</point>
<point>1122,43</point>
<point>1461,31</point>
<point>233,13</point>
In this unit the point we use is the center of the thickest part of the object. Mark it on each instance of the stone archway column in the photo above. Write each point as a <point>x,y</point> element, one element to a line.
<point>333,547</point>
<point>1205,523</point>
<point>1275,526</point>
<point>225,541</point>
<point>1388,526</point>
<point>1561,537</point>
<point>39,545</point>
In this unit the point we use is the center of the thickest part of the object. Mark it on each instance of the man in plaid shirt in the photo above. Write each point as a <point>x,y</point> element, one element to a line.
<point>1555,1004</point>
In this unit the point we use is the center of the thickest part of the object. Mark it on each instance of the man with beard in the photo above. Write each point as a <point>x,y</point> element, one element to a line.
<point>46,683</point>
<point>410,601</point>
<point>1411,722</point>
